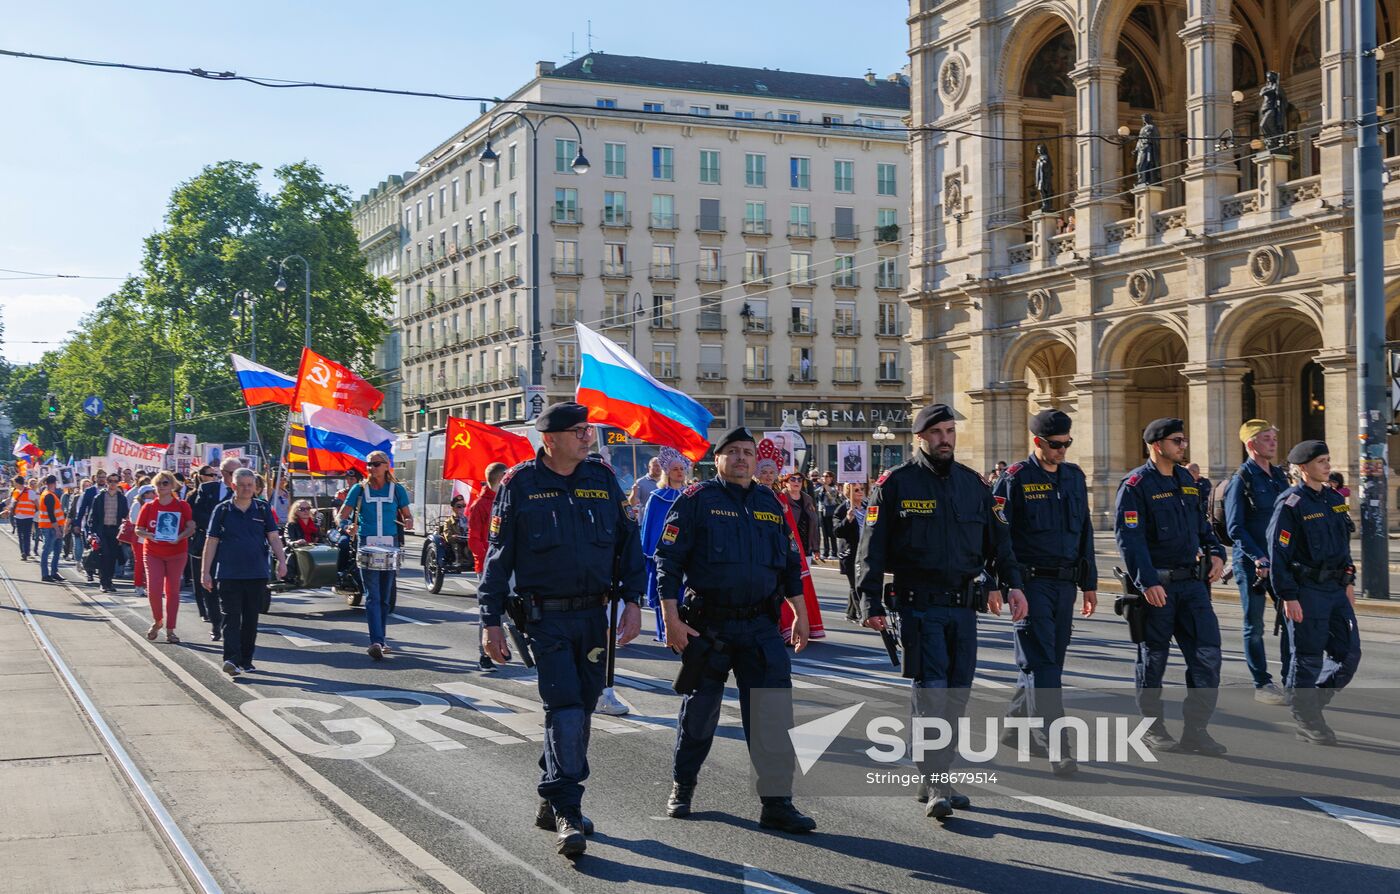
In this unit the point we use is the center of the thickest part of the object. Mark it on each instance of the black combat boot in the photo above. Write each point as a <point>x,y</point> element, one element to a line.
<point>678,805</point>
<point>569,825</point>
<point>780,814</point>
<point>1198,741</point>
<point>544,818</point>
<point>1159,740</point>
<point>1065,767</point>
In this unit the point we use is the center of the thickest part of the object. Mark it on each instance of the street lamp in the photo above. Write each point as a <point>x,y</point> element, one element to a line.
<point>636,315</point>
<point>281,286</point>
<point>489,158</point>
<point>882,434</point>
<point>816,420</point>
<point>245,302</point>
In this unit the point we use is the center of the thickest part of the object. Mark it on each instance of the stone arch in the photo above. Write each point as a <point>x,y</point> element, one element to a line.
<point>1150,358</point>
<point>1276,352</point>
<point>1024,37</point>
<point>1118,338</point>
<point>1238,321</point>
<point>1024,346</point>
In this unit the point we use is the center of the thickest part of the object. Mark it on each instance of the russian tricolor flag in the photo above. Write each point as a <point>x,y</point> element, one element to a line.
<point>338,442</point>
<point>618,391</point>
<point>262,385</point>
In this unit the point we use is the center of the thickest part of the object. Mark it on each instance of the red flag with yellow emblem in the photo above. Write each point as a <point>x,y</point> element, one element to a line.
<point>472,446</point>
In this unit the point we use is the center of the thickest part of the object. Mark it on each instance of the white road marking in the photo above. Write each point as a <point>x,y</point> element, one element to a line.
<point>756,879</point>
<point>1146,831</point>
<point>1380,829</point>
<point>407,620</point>
<point>300,640</point>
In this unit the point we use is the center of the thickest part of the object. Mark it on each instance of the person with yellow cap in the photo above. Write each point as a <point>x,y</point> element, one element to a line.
<point>1250,495</point>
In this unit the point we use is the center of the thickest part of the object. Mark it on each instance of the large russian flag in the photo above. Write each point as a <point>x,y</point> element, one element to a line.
<point>338,442</point>
<point>262,385</point>
<point>618,391</point>
<point>25,447</point>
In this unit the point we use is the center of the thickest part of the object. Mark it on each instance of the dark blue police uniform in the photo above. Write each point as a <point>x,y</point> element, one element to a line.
<point>1161,529</point>
<point>1309,542</point>
<point>1249,504</point>
<point>562,538</point>
<point>731,548</point>
<point>1048,514</point>
<point>937,529</point>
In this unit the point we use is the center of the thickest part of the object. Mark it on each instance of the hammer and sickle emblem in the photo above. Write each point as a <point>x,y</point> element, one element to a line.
<point>319,374</point>
<point>462,440</point>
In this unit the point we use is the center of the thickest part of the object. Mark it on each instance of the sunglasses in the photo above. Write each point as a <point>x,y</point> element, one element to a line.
<point>377,464</point>
<point>1059,445</point>
<point>1179,441</point>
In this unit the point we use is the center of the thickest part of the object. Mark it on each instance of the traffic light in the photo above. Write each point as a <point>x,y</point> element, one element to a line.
<point>135,409</point>
<point>422,406</point>
<point>189,406</point>
<point>52,405</point>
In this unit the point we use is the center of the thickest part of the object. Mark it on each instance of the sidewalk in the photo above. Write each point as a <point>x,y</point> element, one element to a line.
<point>74,823</point>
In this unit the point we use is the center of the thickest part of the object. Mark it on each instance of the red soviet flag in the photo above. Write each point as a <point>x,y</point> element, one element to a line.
<point>472,446</point>
<point>325,383</point>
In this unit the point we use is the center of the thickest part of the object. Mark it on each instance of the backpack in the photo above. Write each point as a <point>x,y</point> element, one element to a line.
<point>1217,508</point>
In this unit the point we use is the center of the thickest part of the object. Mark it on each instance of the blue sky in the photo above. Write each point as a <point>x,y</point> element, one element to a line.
<point>90,155</point>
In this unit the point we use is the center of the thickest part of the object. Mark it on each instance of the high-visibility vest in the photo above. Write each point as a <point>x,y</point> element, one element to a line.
<point>59,519</point>
<point>24,503</point>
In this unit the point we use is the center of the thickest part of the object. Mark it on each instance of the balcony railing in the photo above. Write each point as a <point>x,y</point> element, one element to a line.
<point>845,232</point>
<point>845,279</point>
<point>800,229</point>
<point>664,273</point>
<point>890,329</point>
<point>757,373</point>
<point>663,221</point>
<point>565,370</point>
<point>708,223</point>
<point>711,372</point>
<point>801,327</point>
<point>889,280</point>
<point>666,372</point>
<point>755,323</point>
<point>564,316</point>
<point>842,328</point>
<point>846,375</point>
<point>706,273</point>
<point>757,277</point>
<point>754,227</point>
<point>566,267</point>
<point>888,374</point>
<point>616,217</point>
<point>510,221</point>
<point>802,279</point>
<point>887,233</point>
<point>801,376</point>
<point>567,216</point>
<point>615,269</point>
<point>710,321</point>
<point>662,322</point>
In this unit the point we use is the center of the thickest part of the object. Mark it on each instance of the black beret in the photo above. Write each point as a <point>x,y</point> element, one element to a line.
<point>561,417</point>
<point>1049,423</point>
<point>1160,429</point>
<point>739,434</point>
<point>931,415</point>
<point>1307,451</point>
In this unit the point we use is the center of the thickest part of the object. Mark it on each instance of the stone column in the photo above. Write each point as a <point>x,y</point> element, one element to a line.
<point>1339,391</point>
<point>1097,427</point>
<point>991,430</point>
<point>1272,400</point>
<point>1337,138</point>
<point>1273,174</point>
<point>1209,37</point>
<point>1098,162</point>
<point>1215,410</point>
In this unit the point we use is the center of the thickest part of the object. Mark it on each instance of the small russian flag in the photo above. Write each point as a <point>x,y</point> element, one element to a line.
<point>262,385</point>
<point>337,441</point>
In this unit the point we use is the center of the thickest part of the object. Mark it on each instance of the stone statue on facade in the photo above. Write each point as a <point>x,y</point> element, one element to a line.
<point>1273,112</point>
<point>1045,178</point>
<point>1148,154</point>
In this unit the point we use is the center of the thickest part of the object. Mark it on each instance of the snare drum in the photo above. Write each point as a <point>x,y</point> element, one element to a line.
<point>379,558</point>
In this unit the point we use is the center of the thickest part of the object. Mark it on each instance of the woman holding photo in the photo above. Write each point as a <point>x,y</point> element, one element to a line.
<point>163,528</point>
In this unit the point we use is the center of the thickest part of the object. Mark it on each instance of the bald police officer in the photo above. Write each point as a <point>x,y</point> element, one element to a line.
<point>1163,533</point>
<point>1046,503</point>
<point>559,526</point>
<point>726,542</point>
<point>932,523</point>
<point>1309,541</point>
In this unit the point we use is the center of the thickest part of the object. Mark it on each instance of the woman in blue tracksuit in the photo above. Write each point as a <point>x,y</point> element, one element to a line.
<point>675,471</point>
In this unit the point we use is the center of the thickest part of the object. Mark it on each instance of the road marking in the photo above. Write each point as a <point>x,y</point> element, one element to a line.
<point>427,709</point>
<point>300,640</point>
<point>1380,829</point>
<point>756,879</point>
<point>407,620</point>
<point>1146,831</point>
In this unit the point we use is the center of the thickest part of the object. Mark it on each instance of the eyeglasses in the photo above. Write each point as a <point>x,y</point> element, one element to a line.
<point>1180,440</point>
<point>581,432</point>
<point>1059,445</point>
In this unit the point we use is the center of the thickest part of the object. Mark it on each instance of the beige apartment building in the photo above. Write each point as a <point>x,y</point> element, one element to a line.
<point>740,230</point>
<point>378,224</point>
<point>1223,292</point>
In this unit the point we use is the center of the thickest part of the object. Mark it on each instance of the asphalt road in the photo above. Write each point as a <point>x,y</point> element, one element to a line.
<point>458,775</point>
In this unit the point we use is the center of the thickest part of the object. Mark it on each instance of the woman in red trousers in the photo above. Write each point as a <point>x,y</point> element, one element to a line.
<point>163,529</point>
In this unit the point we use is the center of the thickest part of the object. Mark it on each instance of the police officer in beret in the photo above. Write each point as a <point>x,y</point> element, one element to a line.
<point>1046,503</point>
<point>933,524</point>
<point>1309,541</point>
<point>1163,533</point>
<point>560,528</point>
<point>727,542</point>
<point>1250,495</point>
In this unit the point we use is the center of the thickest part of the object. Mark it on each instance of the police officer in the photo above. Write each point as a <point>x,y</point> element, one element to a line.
<point>1250,495</point>
<point>1046,504</point>
<point>1162,532</point>
<point>727,539</point>
<point>933,523</point>
<point>558,525</point>
<point>1309,541</point>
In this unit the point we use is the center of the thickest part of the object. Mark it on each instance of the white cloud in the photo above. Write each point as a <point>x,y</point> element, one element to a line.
<point>37,317</point>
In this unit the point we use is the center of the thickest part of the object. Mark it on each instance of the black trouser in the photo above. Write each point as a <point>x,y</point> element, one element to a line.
<point>830,545</point>
<point>207,602</point>
<point>241,600</point>
<point>107,559</point>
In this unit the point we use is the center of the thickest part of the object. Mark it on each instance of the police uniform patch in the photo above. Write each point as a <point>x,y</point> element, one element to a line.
<point>1130,519</point>
<point>692,490</point>
<point>1133,479</point>
<point>495,525</point>
<point>1013,469</point>
<point>1283,537</point>
<point>872,513</point>
<point>999,510</point>
<point>1290,500</point>
<point>669,534</point>
<point>883,475</point>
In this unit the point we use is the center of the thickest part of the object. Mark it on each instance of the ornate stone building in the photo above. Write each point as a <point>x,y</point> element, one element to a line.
<point>1221,292</point>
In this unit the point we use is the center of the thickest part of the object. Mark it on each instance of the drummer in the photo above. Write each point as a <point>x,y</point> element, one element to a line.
<point>378,503</point>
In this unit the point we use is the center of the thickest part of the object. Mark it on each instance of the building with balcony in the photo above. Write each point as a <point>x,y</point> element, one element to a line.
<point>1221,292</point>
<point>734,225</point>
<point>378,224</point>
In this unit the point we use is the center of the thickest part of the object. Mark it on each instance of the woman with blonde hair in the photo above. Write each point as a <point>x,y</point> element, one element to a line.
<point>382,504</point>
<point>163,528</point>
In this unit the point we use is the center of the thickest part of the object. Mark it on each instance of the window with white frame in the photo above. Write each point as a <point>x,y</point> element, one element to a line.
<point>614,208</point>
<point>790,116</point>
<point>565,206</point>
<point>565,151</point>
<point>700,110</point>
<point>614,159</point>
<point>663,163</point>
<point>800,172</point>
<point>743,114</point>
<point>844,179</point>
<point>603,103</point>
<point>653,107</point>
<point>884,179</point>
<point>512,161</point>
<point>709,166</point>
<point>755,169</point>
